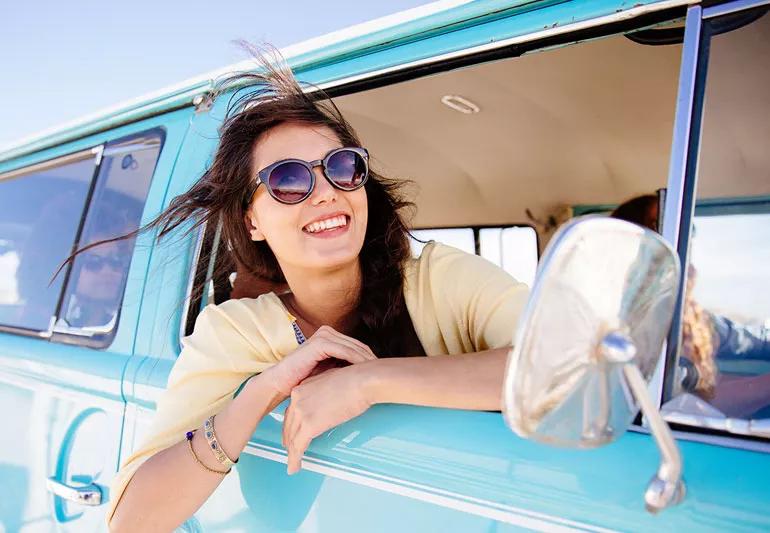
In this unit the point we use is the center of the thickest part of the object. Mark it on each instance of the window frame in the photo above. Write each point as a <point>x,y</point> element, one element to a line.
<point>74,335</point>
<point>95,153</point>
<point>682,206</point>
<point>87,335</point>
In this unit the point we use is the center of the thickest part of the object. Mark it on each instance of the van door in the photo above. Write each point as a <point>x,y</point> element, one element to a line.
<point>64,345</point>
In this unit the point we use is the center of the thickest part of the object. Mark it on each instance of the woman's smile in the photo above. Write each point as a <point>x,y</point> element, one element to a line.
<point>327,226</point>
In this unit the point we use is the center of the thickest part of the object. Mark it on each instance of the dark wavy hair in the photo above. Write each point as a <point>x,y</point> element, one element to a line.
<point>262,100</point>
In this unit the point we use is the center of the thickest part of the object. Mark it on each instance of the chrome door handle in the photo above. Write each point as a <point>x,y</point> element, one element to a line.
<point>86,495</point>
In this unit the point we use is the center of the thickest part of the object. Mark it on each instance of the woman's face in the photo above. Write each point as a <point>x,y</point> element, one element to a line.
<point>288,228</point>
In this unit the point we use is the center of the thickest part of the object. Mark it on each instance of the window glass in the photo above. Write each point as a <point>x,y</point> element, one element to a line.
<point>461,238</point>
<point>514,249</point>
<point>94,294</point>
<point>40,213</point>
<point>724,361</point>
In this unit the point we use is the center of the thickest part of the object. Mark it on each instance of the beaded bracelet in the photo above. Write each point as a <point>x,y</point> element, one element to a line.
<point>211,437</point>
<point>189,437</point>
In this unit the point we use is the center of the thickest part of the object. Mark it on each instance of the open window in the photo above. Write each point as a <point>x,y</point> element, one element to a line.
<point>505,148</point>
<point>722,372</point>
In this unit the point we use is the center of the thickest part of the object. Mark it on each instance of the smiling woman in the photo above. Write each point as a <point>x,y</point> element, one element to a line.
<point>344,334</point>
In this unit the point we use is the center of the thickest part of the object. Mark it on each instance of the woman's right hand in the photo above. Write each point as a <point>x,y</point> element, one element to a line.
<point>325,344</point>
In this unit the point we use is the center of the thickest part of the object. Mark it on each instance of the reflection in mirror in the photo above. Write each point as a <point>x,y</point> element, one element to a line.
<point>590,339</point>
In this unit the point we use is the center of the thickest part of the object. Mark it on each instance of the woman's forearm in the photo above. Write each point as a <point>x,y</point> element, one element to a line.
<point>468,381</point>
<point>170,486</point>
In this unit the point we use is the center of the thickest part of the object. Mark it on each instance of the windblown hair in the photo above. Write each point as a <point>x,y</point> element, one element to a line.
<point>262,100</point>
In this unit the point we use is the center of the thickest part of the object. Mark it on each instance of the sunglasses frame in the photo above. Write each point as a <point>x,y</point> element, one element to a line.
<point>264,174</point>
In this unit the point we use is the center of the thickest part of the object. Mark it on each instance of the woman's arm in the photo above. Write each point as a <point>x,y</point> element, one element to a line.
<point>170,486</point>
<point>153,500</point>
<point>468,381</point>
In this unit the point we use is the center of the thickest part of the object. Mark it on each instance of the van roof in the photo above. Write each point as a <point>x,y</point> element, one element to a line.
<point>441,16</point>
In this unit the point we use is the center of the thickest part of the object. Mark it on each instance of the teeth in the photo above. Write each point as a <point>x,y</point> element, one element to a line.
<point>327,224</point>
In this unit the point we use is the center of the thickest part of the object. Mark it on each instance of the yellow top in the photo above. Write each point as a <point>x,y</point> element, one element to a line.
<point>458,303</point>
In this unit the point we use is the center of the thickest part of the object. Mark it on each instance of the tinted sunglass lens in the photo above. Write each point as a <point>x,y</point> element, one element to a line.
<point>347,169</point>
<point>290,182</point>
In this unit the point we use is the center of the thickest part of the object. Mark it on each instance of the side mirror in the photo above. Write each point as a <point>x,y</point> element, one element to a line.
<point>589,340</point>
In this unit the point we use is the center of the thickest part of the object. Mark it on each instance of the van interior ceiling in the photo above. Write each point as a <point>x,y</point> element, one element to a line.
<point>589,123</point>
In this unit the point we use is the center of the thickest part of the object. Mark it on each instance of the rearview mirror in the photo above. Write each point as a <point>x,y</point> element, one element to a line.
<point>589,341</point>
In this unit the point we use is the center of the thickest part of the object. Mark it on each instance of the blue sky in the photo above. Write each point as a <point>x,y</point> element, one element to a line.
<point>60,60</point>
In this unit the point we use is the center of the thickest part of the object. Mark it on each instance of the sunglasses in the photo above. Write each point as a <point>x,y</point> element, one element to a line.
<point>290,181</point>
<point>95,263</point>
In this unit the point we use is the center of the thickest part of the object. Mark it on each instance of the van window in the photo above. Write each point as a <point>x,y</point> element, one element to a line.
<point>460,238</point>
<point>94,294</point>
<point>724,359</point>
<point>40,214</point>
<point>513,248</point>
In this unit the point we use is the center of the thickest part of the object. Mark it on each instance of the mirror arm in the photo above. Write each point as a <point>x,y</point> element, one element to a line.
<point>666,486</point>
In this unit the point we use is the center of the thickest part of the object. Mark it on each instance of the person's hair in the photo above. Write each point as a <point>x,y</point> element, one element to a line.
<point>637,210</point>
<point>261,100</point>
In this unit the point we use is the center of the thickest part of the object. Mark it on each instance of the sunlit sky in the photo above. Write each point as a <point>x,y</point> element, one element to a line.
<point>61,60</point>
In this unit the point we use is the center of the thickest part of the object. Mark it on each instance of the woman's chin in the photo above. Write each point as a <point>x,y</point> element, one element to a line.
<point>330,257</point>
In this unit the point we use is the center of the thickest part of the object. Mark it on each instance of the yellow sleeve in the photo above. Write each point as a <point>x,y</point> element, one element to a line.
<point>224,350</point>
<point>460,302</point>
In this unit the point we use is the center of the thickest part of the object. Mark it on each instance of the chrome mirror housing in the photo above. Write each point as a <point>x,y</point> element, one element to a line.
<point>589,341</point>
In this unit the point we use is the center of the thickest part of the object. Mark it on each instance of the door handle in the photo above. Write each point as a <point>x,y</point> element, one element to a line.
<point>85,495</point>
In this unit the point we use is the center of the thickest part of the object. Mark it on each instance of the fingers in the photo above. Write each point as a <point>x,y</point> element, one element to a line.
<point>355,342</point>
<point>357,351</point>
<point>288,418</point>
<point>297,447</point>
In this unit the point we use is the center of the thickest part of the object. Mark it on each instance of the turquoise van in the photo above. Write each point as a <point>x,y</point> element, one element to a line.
<point>511,117</point>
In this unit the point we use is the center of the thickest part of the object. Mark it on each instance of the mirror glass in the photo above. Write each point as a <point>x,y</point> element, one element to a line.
<point>603,297</point>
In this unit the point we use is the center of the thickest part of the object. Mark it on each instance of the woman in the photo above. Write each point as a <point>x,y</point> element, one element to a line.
<point>298,205</point>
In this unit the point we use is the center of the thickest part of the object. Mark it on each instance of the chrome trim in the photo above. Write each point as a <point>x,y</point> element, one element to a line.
<point>666,488</point>
<point>736,426</point>
<point>87,495</point>
<point>680,145</point>
<point>725,441</point>
<point>212,263</point>
<point>190,283</point>
<point>74,157</point>
<point>732,7</point>
<point>61,326</point>
<point>98,151</point>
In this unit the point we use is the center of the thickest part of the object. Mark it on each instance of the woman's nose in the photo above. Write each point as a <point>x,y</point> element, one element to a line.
<point>323,191</point>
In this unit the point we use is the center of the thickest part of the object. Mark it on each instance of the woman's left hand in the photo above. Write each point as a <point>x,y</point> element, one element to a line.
<point>320,403</point>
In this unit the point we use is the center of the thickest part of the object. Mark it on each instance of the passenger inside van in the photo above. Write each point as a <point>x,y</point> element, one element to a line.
<point>709,338</point>
<point>299,205</point>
